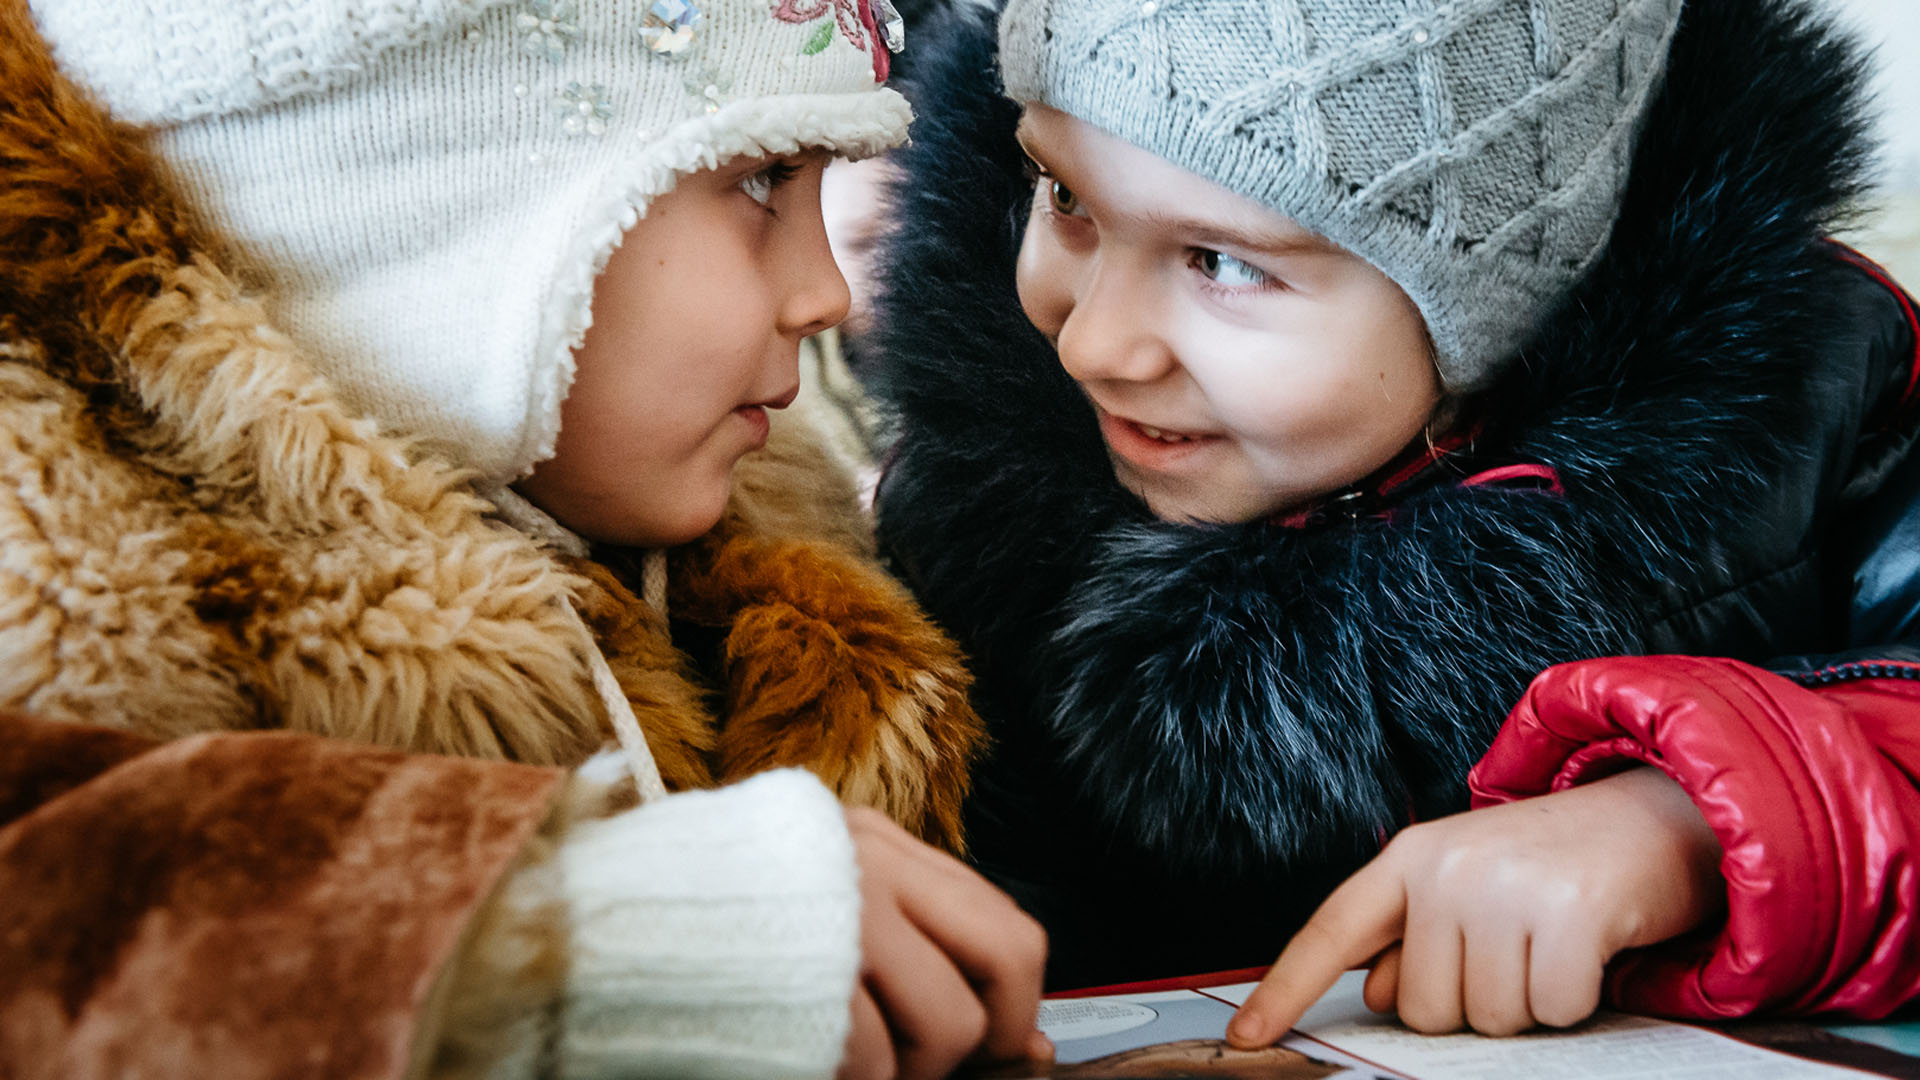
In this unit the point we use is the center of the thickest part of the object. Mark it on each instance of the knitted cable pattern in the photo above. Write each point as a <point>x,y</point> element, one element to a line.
<point>1473,150</point>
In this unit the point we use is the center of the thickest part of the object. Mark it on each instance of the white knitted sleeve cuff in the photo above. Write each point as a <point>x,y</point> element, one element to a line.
<point>712,934</point>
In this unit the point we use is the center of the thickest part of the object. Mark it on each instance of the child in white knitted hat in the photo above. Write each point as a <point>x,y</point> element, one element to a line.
<point>361,364</point>
<point>1283,386</point>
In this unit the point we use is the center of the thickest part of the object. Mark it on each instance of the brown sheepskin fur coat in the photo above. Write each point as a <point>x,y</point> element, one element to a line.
<point>196,536</point>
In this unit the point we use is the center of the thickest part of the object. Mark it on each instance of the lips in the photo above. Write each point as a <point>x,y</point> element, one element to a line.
<point>1151,446</point>
<point>783,400</point>
<point>1162,434</point>
<point>759,425</point>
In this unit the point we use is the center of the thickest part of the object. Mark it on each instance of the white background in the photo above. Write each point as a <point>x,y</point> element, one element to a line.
<point>1893,26</point>
<point>1892,230</point>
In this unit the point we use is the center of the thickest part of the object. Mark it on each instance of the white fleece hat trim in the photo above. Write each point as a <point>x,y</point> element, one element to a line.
<point>427,189</point>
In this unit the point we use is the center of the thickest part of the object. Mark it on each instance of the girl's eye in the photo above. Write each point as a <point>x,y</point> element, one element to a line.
<point>760,186</point>
<point>1062,198</point>
<point>1227,270</point>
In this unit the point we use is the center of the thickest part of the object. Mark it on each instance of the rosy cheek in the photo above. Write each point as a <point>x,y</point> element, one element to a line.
<point>1039,277</point>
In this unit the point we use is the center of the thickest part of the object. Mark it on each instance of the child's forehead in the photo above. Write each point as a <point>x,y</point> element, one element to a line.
<point>1127,184</point>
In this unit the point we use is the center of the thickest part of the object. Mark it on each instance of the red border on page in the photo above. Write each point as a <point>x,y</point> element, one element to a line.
<point>1184,982</point>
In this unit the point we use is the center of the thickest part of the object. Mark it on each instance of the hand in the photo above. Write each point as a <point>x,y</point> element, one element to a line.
<point>950,967</point>
<point>1506,917</point>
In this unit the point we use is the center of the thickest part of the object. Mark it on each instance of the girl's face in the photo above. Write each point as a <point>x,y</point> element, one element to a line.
<point>697,321</point>
<point>1239,364</point>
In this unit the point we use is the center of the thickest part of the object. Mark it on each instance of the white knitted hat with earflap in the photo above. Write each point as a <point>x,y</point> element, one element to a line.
<point>429,187</point>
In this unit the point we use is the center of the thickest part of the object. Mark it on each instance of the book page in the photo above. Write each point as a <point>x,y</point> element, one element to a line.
<point>1165,1034</point>
<point>1611,1046</point>
<point>1181,1033</point>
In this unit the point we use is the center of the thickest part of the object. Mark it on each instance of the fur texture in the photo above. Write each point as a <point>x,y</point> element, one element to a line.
<point>1236,715</point>
<point>801,614</point>
<point>194,535</point>
<point>361,867</point>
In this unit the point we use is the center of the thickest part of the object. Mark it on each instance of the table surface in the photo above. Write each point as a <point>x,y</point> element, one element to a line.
<point>1900,1036</point>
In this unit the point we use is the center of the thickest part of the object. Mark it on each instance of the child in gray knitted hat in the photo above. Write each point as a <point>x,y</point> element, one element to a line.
<point>1341,366</point>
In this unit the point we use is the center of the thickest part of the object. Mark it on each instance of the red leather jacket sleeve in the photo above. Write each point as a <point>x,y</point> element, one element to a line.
<point>1813,792</point>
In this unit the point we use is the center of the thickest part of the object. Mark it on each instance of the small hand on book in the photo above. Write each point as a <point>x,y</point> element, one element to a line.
<point>1506,917</point>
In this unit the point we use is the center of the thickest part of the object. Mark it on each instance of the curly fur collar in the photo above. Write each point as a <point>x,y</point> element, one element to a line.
<point>196,535</point>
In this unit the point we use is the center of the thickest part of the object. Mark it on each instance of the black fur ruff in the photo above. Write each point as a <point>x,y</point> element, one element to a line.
<point>1251,703</point>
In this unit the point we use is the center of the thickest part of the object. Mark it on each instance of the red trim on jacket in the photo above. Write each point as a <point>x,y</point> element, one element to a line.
<point>1369,497</point>
<point>1879,273</point>
<point>1546,476</point>
<point>1414,462</point>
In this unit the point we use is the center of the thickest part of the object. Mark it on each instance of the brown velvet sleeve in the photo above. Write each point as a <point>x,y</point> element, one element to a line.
<point>237,905</point>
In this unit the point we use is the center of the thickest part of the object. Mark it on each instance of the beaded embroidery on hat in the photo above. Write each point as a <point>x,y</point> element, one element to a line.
<point>548,25</point>
<point>583,110</point>
<point>671,26</point>
<point>878,36</point>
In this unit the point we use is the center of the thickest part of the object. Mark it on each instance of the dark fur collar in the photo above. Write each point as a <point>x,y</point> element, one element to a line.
<point>1252,696</point>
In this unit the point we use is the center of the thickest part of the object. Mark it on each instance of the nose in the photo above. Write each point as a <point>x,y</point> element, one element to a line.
<point>1112,333</point>
<point>817,297</point>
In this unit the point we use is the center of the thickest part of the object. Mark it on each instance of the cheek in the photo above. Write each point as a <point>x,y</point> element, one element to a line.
<point>1321,401</point>
<point>1040,277</point>
<point>698,372</point>
<point>1399,362</point>
<point>1278,415</point>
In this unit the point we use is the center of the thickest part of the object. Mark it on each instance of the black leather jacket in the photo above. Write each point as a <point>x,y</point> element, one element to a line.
<point>1201,729</point>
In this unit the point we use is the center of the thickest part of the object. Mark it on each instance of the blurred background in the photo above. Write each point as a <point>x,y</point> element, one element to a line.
<point>1890,231</point>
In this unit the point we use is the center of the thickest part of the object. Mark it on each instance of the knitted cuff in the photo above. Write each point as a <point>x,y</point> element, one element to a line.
<point>711,934</point>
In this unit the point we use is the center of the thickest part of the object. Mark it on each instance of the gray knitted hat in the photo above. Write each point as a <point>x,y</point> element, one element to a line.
<point>1473,150</point>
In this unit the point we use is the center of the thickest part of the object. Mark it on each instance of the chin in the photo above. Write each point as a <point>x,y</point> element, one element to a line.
<point>692,523</point>
<point>676,534</point>
<point>1170,504</point>
<point>682,525</point>
<point>1195,508</point>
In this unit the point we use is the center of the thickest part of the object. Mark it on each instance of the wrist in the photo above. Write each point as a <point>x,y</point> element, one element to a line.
<point>710,932</point>
<point>713,927</point>
<point>1677,838</point>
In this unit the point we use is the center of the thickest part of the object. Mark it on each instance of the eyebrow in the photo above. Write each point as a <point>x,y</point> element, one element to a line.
<point>747,163</point>
<point>1208,233</point>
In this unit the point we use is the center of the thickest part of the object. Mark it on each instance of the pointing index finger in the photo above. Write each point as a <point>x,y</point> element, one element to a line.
<point>1363,916</point>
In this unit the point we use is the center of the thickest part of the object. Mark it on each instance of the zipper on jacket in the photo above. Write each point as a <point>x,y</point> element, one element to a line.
<point>1855,671</point>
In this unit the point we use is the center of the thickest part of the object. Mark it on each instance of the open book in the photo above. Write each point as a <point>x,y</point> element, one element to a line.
<point>1176,1029</point>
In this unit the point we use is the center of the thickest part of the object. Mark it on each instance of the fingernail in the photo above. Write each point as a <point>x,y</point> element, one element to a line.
<point>1039,1047</point>
<point>1245,1031</point>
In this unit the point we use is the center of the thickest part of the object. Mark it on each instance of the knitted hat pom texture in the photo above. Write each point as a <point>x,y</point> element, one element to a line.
<point>1475,151</point>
